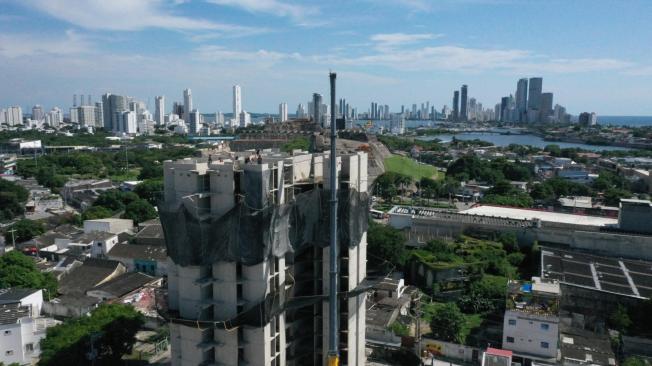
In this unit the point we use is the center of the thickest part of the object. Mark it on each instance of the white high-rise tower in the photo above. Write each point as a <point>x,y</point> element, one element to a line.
<point>159,113</point>
<point>283,112</point>
<point>187,104</point>
<point>237,101</point>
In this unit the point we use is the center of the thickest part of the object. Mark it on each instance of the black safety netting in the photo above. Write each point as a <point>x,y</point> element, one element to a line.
<point>255,229</point>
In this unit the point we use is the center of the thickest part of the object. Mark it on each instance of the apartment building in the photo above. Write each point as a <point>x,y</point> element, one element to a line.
<point>247,240</point>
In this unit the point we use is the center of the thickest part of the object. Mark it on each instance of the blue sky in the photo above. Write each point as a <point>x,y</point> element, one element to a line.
<point>594,55</point>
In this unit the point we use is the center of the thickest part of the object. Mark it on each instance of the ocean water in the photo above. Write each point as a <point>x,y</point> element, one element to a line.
<point>633,121</point>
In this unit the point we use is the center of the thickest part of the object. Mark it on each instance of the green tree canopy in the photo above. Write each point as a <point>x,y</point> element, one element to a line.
<point>24,230</point>
<point>96,212</point>
<point>386,246</point>
<point>111,328</point>
<point>12,200</point>
<point>447,322</point>
<point>18,270</point>
<point>150,190</point>
<point>139,211</point>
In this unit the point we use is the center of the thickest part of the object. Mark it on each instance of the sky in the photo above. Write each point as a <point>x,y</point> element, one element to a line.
<point>594,55</point>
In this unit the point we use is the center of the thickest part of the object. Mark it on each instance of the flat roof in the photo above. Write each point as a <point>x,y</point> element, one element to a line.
<point>614,275</point>
<point>527,214</point>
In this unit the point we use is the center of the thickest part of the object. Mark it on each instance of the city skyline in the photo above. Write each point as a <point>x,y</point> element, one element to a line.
<point>159,48</point>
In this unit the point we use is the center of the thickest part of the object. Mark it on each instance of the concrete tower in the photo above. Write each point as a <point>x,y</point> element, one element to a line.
<point>159,112</point>
<point>464,114</point>
<point>187,104</point>
<point>237,101</point>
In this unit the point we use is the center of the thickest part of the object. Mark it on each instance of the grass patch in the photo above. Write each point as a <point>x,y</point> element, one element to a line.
<point>132,174</point>
<point>410,167</point>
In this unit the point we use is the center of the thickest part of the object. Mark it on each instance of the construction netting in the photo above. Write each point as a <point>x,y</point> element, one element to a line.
<point>255,229</point>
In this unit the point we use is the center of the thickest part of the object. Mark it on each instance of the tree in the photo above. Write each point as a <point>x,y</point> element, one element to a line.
<point>509,241</point>
<point>12,199</point>
<point>553,149</point>
<point>111,200</point>
<point>301,143</point>
<point>96,212</point>
<point>151,171</point>
<point>619,319</point>
<point>24,231</point>
<point>386,246</point>
<point>111,329</point>
<point>612,196</point>
<point>19,270</point>
<point>634,361</point>
<point>447,322</point>
<point>150,190</point>
<point>139,211</point>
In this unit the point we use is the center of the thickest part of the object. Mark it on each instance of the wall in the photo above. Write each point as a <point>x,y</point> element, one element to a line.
<point>528,334</point>
<point>451,350</point>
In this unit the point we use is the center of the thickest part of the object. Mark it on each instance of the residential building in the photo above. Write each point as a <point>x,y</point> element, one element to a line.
<point>245,119</point>
<point>317,110</point>
<point>21,327</point>
<point>109,225</point>
<point>113,106</point>
<point>534,99</point>
<point>229,284</point>
<point>187,104</point>
<point>237,101</point>
<point>531,323</point>
<point>37,112</point>
<point>283,112</point>
<point>464,114</point>
<point>159,112</point>
<point>521,100</point>
<point>456,105</point>
<point>546,106</point>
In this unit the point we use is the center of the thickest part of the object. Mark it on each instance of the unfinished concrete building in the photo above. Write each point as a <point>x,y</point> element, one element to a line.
<point>247,238</point>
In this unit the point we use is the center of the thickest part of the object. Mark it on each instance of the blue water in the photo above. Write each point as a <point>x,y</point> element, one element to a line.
<point>633,121</point>
<point>506,140</point>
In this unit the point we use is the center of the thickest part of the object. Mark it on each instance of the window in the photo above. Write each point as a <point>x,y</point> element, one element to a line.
<point>510,339</point>
<point>29,347</point>
<point>9,353</point>
<point>545,345</point>
<point>99,243</point>
<point>7,332</point>
<point>545,326</point>
<point>512,321</point>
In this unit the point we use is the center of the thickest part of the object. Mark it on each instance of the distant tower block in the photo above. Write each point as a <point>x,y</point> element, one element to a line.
<point>74,100</point>
<point>82,100</point>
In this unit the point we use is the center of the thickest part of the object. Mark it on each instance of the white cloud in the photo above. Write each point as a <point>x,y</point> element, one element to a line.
<point>397,39</point>
<point>275,7</point>
<point>124,15</point>
<point>20,45</point>
<point>222,54</point>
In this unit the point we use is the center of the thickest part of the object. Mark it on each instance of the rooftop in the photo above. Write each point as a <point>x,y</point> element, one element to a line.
<point>537,297</point>
<point>10,313</point>
<point>584,347</point>
<point>545,216</point>
<point>619,276</point>
<point>124,284</point>
<point>139,251</point>
<point>88,275</point>
<point>14,295</point>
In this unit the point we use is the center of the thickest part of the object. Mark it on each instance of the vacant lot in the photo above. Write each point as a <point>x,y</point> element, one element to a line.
<point>410,167</point>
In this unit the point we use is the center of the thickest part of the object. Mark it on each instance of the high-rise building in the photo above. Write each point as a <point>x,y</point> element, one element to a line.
<point>237,101</point>
<point>159,111</point>
<point>244,118</point>
<point>86,116</point>
<point>128,122</point>
<point>187,104</point>
<point>228,286</point>
<point>37,113</point>
<point>464,115</point>
<point>534,99</point>
<point>504,105</point>
<point>316,108</point>
<point>194,122</point>
<point>301,111</point>
<point>283,112</point>
<point>456,105</point>
<point>588,119</point>
<point>113,106</point>
<point>546,106</point>
<point>54,117</point>
<point>99,114</point>
<point>521,100</point>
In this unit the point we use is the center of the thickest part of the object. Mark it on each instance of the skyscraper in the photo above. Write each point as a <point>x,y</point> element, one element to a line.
<point>113,106</point>
<point>504,104</point>
<point>194,122</point>
<point>316,108</point>
<point>534,99</point>
<point>37,112</point>
<point>283,112</point>
<point>301,111</point>
<point>237,101</point>
<point>546,106</point>
<point>464,114</point>
<point>521,100</point>
<point>187,104</point>
<point>159,112</point>
<point>456,105</point>
<point>99,114</point>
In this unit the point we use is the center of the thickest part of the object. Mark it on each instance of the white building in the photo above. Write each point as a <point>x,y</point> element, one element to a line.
<point>86,116</point>
<point>245,119</point>
<point>37,113</point>
<point>397,124</point>
<point>194,123</point>
<point>531,324</point>
<point>13,116</point>
<point>237,101</point>
<point>218,291</point>
<point>128,122</point>
<point>187,104</point>
<point>21,327</point>
<point>301,111</point>
<point>283,112</point>
<point>54,117</point>
<point>159,112</point>
<point>110,225</point>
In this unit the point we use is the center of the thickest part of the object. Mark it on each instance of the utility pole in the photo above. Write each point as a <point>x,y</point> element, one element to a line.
<point>333,316</point>
<point>13,238</point>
